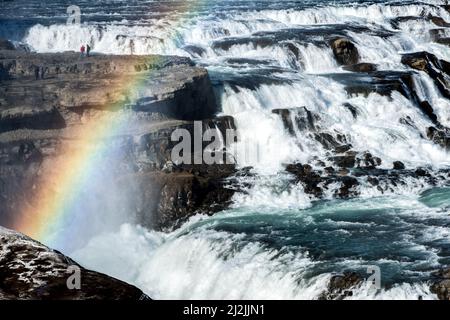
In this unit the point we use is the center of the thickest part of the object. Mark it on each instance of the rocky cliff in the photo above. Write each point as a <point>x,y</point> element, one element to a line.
<point>48,100</point>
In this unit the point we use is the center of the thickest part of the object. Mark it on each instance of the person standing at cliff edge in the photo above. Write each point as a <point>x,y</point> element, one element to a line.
<point>82,50</point>
<point>88,50</point>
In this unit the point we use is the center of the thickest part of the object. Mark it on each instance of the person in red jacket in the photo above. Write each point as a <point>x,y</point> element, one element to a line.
<point>82,50</point>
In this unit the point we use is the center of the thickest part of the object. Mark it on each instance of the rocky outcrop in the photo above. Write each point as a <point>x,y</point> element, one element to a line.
<point>341,286</point>
<point>440,137</point>
<point>32,271</point>
<point>353,171</point>
<point>48,101</point>
<point>345,51</point>
<point>163,87</point>
<point>169,198</point>
<point>441,285</point>
<point>303,121</point>
<point>438,70</point>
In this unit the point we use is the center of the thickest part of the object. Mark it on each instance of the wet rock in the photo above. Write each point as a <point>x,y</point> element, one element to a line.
<point>437,69</point>
<point>441,285</point>
<point>301,120</point>
<point>344,182</point>
<point>32,271</point>
<point>345,51</point>
<point>6,45</point>
<point>421,172</point>
<point>194,50</point>
<point>345,161</point>
<point>427,108</point>
<point>381,82</point>
<point>440,137</point>
<point>166,200</point>
<point>348,183</point>
<point>398,165</point>
<point>440,22</point>
<point>354,110</point>
<point>297,119</point>
<point>306,175</point>
<point>341,286</point>
<point>343,148</point>
<point>368,161</point>
<point>361,67</point>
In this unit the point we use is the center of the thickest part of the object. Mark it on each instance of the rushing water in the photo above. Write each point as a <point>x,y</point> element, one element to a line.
<point>275,241</point>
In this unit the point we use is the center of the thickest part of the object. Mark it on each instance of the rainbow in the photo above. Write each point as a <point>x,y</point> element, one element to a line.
<point>56,195</point>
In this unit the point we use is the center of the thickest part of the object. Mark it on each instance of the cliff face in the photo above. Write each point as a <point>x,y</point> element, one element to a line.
<point>31,271</point>
<point>47,102</point>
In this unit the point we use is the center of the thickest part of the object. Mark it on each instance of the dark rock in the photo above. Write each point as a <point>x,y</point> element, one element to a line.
<point>39,118</point>
<point>440,22</point>
<point>354,111</point>
<point>437,69</point>
<point>345,161</point>
<point>361,67</point>
<point>441,285</point>
<point>398,165</point>
<point>195,50</point>
<point>6,45</point>
<point>297,119</point>
<point>31,271</point>
<point>421,172</point>
<point>307,177</point>
<point>345,181</point>
<point>96,83</point>
<point>368,161</point>
<point>343,148</point>
<point>28,118</point>
<point>166,200</point>
<point>380,82</point>
<point>330,170</point>
<point>440,137</point>
<point>345,51</point>
<point>347,184</point>
<point>341,286</point>
<point>429,111</point>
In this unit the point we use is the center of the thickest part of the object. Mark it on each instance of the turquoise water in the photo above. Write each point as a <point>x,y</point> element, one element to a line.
<point>268,253</point>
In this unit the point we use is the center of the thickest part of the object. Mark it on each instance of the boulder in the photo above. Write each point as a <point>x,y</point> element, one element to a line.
<point>398,165</point>
<point>441,285</point>
<point>345,51</point>
<point>437,69</point>
<point>341,286</point>
<point>165,200</point>
<point>32,271</point>
<point>439,136</point>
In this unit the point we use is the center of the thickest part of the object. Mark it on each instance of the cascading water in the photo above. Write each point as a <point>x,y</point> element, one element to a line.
<point>276,241</point>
